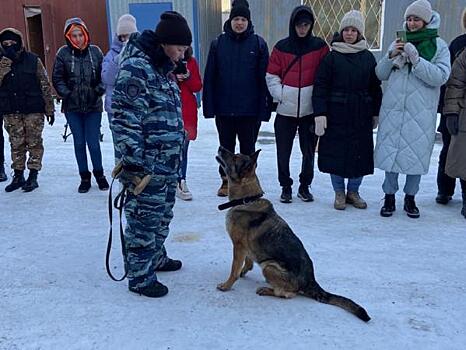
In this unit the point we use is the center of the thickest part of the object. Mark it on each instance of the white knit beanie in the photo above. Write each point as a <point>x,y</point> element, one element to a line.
<point>421,9</point>
<point>354,19</point>
<point>126,25</point>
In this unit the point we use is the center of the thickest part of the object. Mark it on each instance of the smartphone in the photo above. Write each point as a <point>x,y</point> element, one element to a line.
<point>401,36</point>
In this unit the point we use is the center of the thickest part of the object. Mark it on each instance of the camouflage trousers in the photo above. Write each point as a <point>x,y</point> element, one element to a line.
<point>25,132</point>
<point>148,216</point>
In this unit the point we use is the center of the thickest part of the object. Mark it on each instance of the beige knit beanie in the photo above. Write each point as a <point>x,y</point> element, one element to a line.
<point>126,25</point>
<point>354,19</point>
<point>421,9</point>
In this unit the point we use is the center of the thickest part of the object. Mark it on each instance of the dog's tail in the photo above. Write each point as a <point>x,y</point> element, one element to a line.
<point>318,293</point>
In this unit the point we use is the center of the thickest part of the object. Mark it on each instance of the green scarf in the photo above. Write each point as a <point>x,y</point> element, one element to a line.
<point>425,41</point>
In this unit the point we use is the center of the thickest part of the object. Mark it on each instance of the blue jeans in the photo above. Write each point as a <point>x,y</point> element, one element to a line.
<point>115,149</point>
<point>184,160</point>
<point>86,130</point>
<point>390,184</point>
<point>338,183</point>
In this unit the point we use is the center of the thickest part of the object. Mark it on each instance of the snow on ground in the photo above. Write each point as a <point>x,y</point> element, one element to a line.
<point>55,294</point>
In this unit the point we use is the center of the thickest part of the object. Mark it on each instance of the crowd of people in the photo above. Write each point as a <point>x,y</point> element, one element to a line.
<point>331,95</point>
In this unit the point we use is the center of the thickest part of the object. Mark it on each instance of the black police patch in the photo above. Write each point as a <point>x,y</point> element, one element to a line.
<point>133,89</point>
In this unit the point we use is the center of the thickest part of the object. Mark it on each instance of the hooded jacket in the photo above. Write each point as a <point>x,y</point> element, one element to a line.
<point>408,115</point>
<point>293,92</point>
<point>234,78</point>
<point>77,75</point>
<point>24,85</point>
<point>110,67</point>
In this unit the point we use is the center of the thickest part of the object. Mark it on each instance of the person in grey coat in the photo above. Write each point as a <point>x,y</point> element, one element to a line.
<point>110,66</point>
<point>414,70</point>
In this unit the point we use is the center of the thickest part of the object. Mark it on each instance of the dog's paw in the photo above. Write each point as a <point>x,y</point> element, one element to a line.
<point>264,291</point>
<point>223,287</point>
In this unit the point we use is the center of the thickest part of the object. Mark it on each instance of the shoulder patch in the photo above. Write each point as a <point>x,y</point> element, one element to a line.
<point>133,88</point>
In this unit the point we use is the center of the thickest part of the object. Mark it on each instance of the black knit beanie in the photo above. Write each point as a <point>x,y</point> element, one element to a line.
<point>240,8</point>
<point>173,29</point>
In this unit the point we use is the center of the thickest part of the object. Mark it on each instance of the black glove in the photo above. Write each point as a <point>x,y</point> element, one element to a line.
<point>452,123</point>
<point>51,119</point>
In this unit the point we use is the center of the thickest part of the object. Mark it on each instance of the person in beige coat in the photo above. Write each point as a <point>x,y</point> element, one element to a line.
<point>455,114</point>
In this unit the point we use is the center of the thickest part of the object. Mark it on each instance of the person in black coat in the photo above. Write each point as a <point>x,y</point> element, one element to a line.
<point>235,92</point>
<point>346,98</point>
<point>445,184</point>
<point>77,79</point>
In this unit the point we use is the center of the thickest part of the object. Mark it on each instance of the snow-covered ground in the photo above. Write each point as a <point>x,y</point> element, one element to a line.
<point>54,292</point>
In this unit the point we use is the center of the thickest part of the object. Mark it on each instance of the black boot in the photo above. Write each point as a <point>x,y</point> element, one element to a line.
<point>170,265</point>
<point>463,211</point>
<point>17,182</point>
<point>101,180</point>
<point>442,198</point>
<point>285,197</point>
<point>388,206</point>
<point>304,194</point>
<point>155,290</point>
<point>31,183</point>
<point>3,176</point>
<point>410,207</point>
<point>85,184</point>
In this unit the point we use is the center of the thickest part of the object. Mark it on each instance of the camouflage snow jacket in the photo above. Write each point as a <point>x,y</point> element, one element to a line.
<point>147,122</point>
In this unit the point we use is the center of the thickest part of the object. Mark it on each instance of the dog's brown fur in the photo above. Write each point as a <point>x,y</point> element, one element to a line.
<point>260,235</point>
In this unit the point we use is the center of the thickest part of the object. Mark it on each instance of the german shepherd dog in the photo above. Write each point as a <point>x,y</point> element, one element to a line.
<point>260,235</point>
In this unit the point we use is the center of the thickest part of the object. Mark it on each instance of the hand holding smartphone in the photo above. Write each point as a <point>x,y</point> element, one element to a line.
<point>401,36</point>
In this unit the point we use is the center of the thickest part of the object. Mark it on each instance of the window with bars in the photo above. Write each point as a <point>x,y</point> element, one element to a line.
<point>330,12</point>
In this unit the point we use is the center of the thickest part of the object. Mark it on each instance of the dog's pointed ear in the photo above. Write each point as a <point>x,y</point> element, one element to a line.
<point>255,155</point>
<point>223,149</point>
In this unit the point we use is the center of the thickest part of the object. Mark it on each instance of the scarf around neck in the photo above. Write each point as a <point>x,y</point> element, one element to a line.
<point>425,41</point>
<point>344,48</point>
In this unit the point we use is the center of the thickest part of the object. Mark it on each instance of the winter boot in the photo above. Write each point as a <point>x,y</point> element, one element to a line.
<point>31,183</point>
<point>170,265</point>
<point>17,182</point>
<point>388,206</point>
<point>410,207</point>
<point>442,198</point>
<point>355,199</point>
<point>340,200</point>
<point>154,290</point>
<point>101,180</point>
<point>304,194</point>
<point>85,184</point>
<point>3,176</point>
<point>285,197</point>
<point>182,191</point>
<point>463,211</point>
<point>223,190</point>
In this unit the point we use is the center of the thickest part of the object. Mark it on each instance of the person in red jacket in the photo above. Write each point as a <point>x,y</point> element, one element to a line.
<point>190,82</point>
<point>290,79</point>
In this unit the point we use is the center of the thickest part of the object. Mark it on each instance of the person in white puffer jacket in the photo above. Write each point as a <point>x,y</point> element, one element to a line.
<point>414,72</point>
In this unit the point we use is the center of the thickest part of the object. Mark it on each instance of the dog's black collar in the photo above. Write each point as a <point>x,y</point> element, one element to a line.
<point>240,201</point>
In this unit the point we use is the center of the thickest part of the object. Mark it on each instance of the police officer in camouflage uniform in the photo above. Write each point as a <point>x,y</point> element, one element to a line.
<point>25,97</point>
<point>148,130</point>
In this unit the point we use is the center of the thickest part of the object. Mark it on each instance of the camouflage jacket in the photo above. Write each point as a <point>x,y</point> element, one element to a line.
<point>147,122</point>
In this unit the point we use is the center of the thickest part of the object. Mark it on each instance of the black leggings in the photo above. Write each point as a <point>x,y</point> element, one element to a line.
<point>446,184</point>
<point>2,142</point>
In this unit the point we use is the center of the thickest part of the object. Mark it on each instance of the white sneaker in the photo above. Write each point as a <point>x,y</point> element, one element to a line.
<point>182,191</point>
